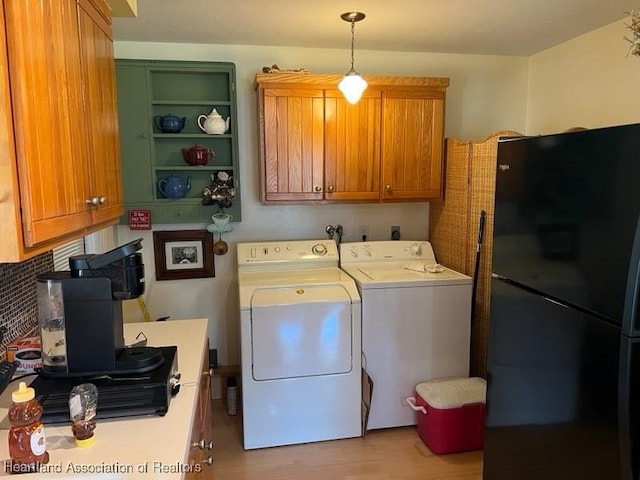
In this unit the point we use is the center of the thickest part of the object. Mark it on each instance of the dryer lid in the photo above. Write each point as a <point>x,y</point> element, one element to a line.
<point>294,295</point>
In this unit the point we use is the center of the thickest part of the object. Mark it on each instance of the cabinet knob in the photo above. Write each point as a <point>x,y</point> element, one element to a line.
<point>102,200</point>
<point>388,188</point>
<point>317,189</point>
<point>93,201</point>
<point>207,461</point>
<point>330,189</point>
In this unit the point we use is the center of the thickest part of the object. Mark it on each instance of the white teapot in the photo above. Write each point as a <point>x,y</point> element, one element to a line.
<point>213,123</point>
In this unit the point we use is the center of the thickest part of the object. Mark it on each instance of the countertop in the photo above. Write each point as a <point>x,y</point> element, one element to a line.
<point>149,447</point>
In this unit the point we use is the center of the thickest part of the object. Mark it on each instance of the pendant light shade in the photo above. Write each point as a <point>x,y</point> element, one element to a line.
<point>352,84</point>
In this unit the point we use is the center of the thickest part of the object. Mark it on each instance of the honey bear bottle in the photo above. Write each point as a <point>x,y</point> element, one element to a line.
<point>27,447</point>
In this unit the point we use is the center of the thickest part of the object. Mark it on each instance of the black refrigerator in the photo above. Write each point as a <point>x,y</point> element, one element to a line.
<point>563,352</point>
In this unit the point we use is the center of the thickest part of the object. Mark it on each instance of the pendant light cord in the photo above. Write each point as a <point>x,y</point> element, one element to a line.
<point>353,25</point>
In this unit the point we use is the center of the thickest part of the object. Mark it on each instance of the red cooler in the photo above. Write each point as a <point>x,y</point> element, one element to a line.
<point>451,413</point>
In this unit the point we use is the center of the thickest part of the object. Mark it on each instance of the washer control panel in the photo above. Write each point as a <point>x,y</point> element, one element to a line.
<point>397,250</point>
<point>289,254</point>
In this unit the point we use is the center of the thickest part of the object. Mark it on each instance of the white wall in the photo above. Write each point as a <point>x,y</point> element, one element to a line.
<point>487,93</point>
<point>588,81</point>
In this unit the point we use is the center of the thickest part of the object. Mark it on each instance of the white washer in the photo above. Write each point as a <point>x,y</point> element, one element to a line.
<point>415,323</point>
<point>300,324</point>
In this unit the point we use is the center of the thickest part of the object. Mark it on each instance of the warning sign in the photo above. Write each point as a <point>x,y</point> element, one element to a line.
<point>140,219</point>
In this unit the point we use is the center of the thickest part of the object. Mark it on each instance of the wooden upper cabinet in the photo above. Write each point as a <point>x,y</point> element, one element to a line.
<point>292,143</point>
<point>315,146</point>
<point>412,143</point>
<point>352,146</point>
<point>101,107</point>
<point>46,97</point>
<point>59,144</point>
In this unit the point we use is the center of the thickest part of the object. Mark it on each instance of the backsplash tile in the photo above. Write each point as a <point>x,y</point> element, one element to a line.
<point>18,299</point>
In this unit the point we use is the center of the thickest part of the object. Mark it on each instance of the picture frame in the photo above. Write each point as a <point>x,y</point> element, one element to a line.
<point>181,254</point>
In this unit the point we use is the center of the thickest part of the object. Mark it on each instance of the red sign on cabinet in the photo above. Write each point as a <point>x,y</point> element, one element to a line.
<point>140,219</point>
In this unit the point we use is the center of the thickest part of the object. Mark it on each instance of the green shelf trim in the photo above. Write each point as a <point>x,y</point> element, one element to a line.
<point>190,135</point>
<point>203,168</point>
<point>191,102</point>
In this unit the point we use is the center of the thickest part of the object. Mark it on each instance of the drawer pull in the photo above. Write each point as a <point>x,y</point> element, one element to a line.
<point>207,461</point>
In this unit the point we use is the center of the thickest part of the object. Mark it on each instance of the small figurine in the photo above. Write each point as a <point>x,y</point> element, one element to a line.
<point>221,190</point>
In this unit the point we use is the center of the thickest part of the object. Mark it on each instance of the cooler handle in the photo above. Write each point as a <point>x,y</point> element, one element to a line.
<point>411,401</point>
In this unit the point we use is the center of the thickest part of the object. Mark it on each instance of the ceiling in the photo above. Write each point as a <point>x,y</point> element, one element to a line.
<point>492,27</point>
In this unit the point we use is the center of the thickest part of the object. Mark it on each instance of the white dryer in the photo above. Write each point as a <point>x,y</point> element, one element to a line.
<point>300,341</point>
<point>416,319</point>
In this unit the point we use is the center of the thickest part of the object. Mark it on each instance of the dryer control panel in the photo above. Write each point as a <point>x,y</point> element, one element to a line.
<point>291,254</point>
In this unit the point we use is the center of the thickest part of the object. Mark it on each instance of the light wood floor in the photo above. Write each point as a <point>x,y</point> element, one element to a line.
<point>392,454</point>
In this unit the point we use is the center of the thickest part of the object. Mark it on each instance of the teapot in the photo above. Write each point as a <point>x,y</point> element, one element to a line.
<point>170,123</point>
<point>174,187</point>
<point>213,123</point>
<point>198,155</point>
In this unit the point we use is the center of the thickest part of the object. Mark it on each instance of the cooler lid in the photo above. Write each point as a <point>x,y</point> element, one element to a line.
<point>453,392</point>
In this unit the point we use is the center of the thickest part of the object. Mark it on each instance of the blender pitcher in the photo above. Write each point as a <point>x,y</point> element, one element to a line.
<point>51,319</point>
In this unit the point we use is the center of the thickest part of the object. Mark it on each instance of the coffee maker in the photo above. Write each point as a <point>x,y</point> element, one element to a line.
<point>80,316</point>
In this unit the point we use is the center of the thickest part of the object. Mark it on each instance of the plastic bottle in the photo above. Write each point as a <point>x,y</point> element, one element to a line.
<point>232,396</point>
<point>83,403</point>
<point>27,445</point>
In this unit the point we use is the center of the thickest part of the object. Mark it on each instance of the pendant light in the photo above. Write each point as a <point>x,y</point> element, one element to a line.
<point>352,84</point>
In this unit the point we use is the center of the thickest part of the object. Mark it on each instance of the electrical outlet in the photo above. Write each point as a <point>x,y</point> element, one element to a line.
<point>395,232</point>
<point>363,232</point>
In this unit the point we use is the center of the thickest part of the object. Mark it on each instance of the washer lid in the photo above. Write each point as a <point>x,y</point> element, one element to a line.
<point>404,274</point>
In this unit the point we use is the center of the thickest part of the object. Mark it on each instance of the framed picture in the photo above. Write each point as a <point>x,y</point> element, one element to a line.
<point>183,254</point>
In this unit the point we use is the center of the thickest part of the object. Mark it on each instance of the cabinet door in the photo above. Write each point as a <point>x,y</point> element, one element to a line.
<point>46,87</point>
<point>412,143</point>
<point>352,146</point>
<point>292,143</point>
<point>101,109</point>
<point>200,457</point>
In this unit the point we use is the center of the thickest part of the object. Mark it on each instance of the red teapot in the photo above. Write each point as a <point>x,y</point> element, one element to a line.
<point>198,155</point>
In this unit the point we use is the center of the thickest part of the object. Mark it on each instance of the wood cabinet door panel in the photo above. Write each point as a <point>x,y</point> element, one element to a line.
<point>352,146</point>
<point>46,87</point>
<point>412,139</point>
<point>292,143</point>
<point>101,111</point>
<point>201,429</point>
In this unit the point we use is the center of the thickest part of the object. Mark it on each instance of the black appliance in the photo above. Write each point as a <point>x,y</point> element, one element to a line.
<point>118,396</point>
<point>563,398</point>
<point>80,315</point>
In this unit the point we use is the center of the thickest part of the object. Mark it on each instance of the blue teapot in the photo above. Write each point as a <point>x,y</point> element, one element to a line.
<point>170,123</point>
<point>174,187</point>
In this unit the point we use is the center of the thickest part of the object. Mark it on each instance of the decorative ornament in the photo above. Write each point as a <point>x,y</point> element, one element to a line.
<point>634,26</point>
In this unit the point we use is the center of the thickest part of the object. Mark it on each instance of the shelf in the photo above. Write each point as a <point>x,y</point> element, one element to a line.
<point>191,135</point>
<point>190,168</point>
<point>148,89</point>
<point>190,102</point>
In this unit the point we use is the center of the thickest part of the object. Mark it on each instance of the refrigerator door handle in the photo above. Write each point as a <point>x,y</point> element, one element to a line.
<point>630,318</point>
<point>628,408</point>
